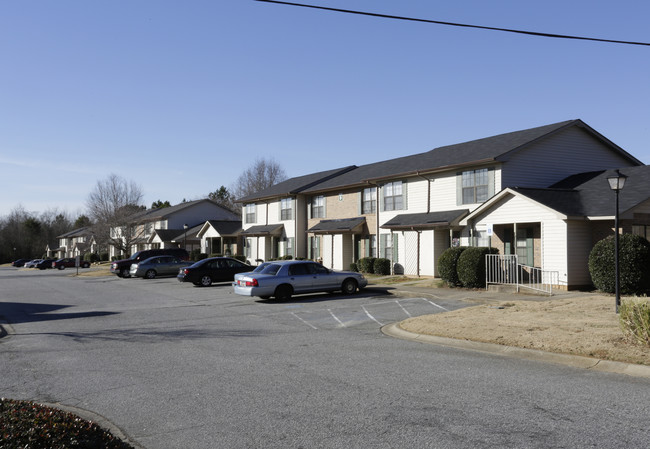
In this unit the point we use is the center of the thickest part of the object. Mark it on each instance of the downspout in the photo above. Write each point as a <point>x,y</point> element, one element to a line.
<point>428,190</point>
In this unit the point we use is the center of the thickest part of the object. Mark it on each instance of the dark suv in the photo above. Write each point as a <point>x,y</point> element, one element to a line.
<point>122,267</point>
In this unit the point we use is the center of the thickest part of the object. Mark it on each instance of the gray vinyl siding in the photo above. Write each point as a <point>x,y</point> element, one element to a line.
<point>556,157</point>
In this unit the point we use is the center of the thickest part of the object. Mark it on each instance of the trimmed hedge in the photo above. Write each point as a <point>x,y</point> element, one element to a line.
<point>634,264</point>
<point>471,266</point>
<point>381,266</point>
<point>448,265</point>
<point>354,268</point>
<point>367,265</point>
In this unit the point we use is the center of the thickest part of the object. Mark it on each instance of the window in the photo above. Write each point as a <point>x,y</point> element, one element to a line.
<point>314,248</point>
<point>387,247</point>
<point>248,243</point>
<point>250,213</point>
<point>475,186</point>
<point>369,201</point>
<point>286,205</point>
<point>318,207</point>
<point>393,198</point>
<point>524,246</point>
<point>373,246</point>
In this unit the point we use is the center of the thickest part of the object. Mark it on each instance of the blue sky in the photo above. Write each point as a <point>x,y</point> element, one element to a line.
<point>181,97</point>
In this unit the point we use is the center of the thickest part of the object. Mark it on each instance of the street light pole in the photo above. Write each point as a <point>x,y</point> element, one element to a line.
<point>616,183</point>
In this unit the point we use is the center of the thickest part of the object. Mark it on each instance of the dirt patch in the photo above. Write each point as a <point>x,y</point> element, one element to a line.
<point>586,326</point>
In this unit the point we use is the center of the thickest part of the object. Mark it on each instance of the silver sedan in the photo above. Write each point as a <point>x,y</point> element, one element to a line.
<point>282,279</point>
<point>158,266</point>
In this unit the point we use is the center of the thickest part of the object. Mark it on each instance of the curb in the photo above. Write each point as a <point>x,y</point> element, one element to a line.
<point>575,361</point>
<point>101,421</point>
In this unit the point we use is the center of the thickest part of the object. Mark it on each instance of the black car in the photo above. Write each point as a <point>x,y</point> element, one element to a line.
<point>45,263</point>
<point>19,262</point>
<point>70,262</point>
<point>214,269</point>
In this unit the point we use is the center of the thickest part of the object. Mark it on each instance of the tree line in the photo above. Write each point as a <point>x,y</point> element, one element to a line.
<point>113,203</point>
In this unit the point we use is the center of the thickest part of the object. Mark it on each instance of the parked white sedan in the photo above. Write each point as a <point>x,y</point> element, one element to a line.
<point>282,279</point>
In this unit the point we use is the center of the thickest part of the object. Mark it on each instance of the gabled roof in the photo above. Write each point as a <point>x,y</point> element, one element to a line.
<point>162,213</point>
<point>481,151</point>
<point>295,185</point>
<point>223,227</point>
<point>175,235</point>
<point>586,195</point>
<point>85,231</point>
<point>428,220</point>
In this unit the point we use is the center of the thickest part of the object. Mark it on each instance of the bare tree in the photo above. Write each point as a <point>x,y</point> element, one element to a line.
<point>261,175</point>
<point>114,206</point>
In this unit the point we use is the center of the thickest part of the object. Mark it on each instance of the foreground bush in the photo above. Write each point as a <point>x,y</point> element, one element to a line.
<point>471,266</point>
<point>634,263</point>
<point>25,424</point>
<point>381,266</point>
<point>367,265</point>
<point>448,265</point>
<point>635,320</point>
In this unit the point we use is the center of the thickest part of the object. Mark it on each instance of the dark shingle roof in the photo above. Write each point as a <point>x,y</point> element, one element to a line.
<point>425,220</point>
<point>262,230</point>
<point>295,185</point>
<point>589,194</point>
<point>337,226</point>
<point>226,227</point>
<point>493,148</point>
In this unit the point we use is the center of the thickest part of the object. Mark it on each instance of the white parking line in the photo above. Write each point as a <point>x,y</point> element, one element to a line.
<point>434,304</point>
<point>371,317</point>
<point>402,307</point>
<point>335,317</point>
<point>307,323</point>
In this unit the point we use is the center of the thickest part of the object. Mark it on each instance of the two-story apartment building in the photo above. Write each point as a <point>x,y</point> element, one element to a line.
<point>412,208</point>
<point>169,227</point>
<point>73,243</point>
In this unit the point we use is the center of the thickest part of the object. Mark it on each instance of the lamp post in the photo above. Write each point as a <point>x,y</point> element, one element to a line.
<point>185,239</point>
<point>616,183</point>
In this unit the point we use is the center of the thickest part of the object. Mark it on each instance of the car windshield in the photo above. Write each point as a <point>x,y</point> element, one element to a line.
<point>134,256</point>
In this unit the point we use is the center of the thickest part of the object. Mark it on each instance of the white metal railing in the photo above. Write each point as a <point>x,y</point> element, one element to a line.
<point>505,269</point>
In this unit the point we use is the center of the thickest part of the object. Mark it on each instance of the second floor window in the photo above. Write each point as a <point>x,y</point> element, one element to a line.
<point>393,196</point>
<point>475,186</point>
<point>286,209</point>
<point>250,213</point>
<point>318,207</point>
<point>369,202</point>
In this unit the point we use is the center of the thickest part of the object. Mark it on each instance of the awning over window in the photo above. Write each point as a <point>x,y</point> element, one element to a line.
<point>342,226</point>
<point>264,230</point>
<point>429,220</point>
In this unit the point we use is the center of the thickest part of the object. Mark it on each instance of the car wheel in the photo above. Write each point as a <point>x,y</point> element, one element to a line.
<point>61,267</point>
<point>86,265</point>
<point>124,272</point>
<point>349,286</point>
<point>150,274</point>
<point>206,281</point>
<point>283,292</point>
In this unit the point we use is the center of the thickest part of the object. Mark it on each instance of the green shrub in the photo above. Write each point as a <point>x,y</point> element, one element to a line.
<point>635,320</point>
<point>367,265</point>
<point>240,258</point>
<point>91,257</point>
<point>354,268</point>
<point>634,264</point>
<point>381,266</point>
<point>103,257</point>
<point>471,266</point>
<point>448,265</point>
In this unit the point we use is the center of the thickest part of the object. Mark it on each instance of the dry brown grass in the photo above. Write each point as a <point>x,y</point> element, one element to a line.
<point>586,326</point>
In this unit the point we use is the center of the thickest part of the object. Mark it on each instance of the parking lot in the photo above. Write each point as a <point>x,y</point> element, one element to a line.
<point>173,365</point>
